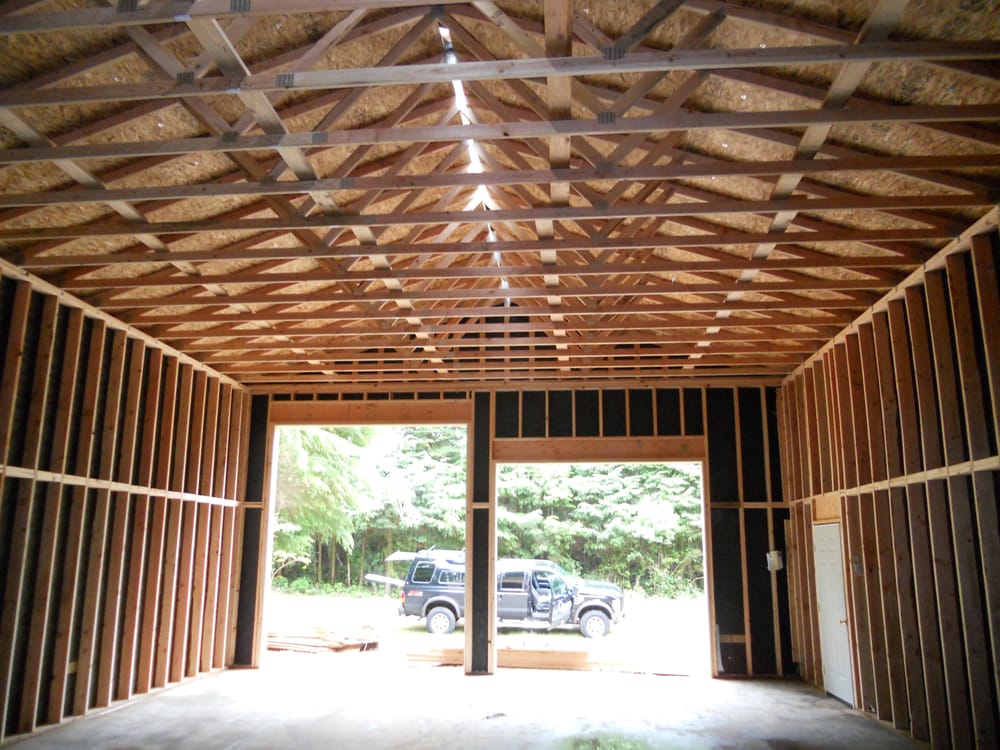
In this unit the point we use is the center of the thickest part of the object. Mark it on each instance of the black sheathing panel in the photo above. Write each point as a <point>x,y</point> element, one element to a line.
<point>101,407</point>
<point>481,585</point>
<point>8,502</point>
<point>25,381</point>
<point>160,396</point>
<point>979,341</point>
<point>613,413</point>
<point>640,412</point>
<point>734,658</point>
<point>668,411</point>
<point>533,414</point>
<point>726,565</point>
<point>560,413</point>
<point>243,653</point>
<point>252,530</point>
<point>79,384</point>
<point>142,405</point>
<point>784,613</point>
<point>774,448</point>
<point>54,379</point>
<point>587,409</point>
<point>722,446</point>
<point>7,287</point>
<point>759,593</point>
<point>754,468</point>
<point>481,448</point>
<point>693,422</point>
<point>507,414</point>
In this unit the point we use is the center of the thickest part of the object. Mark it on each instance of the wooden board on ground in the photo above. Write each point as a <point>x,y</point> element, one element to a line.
<point>318,641</point>
<point>528,658</point>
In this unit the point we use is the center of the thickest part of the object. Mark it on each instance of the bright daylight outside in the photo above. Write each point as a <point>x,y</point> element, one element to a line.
<point>364,514</point>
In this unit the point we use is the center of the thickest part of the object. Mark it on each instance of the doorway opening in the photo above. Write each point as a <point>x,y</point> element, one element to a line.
<point>636,525</point>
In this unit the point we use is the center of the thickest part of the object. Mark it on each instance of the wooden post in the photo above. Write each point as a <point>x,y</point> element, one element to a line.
<point>152,615</point>
<point>88,654</point>
<point>128,663</point>
<point>165,645</point>
<point>114,588</point>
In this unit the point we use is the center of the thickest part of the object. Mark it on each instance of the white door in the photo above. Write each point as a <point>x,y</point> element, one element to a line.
<point>838,679</point>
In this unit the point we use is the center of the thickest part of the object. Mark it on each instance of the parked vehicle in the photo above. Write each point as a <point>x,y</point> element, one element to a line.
<point>528,591</point>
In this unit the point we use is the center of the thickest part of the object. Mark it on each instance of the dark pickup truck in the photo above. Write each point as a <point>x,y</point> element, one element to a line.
<point>528,591</point>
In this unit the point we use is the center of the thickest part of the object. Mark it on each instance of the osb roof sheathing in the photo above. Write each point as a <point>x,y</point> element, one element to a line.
<point>615,199</point>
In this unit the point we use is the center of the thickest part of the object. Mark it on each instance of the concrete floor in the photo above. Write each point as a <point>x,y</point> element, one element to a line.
<point>371,700</point>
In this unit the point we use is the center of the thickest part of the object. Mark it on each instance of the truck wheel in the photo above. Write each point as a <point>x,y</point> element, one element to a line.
<point>440,620</point>
<point>595,624</point>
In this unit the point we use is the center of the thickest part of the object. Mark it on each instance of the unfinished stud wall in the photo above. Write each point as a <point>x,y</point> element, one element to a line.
<point>893,432</point>
<point>736,429</point>
<point>119,476</point>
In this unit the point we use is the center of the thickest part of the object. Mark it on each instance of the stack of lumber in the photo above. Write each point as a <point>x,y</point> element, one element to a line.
<point>318,640</point>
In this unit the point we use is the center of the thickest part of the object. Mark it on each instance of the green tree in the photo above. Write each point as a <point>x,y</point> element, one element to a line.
<point>319,490</point>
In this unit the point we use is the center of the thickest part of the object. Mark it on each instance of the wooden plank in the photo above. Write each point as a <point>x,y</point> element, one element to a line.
<point>813,473</point>
<point>858,414</point>
<point>12,366</point>
<point>888,598</point>
<point>370,412</point>
<point>435,73</point>
<point>88,654</point>
<point>828,428</point>
<point>776,617</point>
<point>214,568</point>
<point>978,440</point>
<point>792,556</point>
<point>184,604</point>
<point>27,507</point>
<point>169,599</point>
<point>813,650</point>
<point>110,649</point>
<point>152,615</point>
<point>988,297</point>
<point>843,444</point>
<point>657,172</point>
<point>607,449</point>
<point>228,587</point>
<point>939,668</point>
<point>203,528</point>
<point>69,594</point>
<point>874,583</point>
<point>744,578</point>
<point>861,628</point>
<point>42,601</point>
<point>141,542</point>
<point>203,523</point>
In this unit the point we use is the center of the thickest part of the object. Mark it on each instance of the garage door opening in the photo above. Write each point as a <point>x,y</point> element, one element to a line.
<point>347,500</point>
<point>639,526</point>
